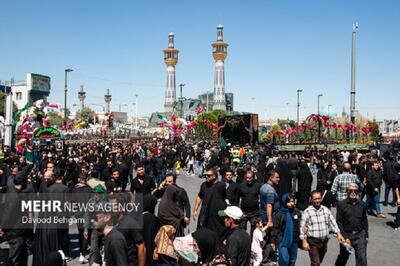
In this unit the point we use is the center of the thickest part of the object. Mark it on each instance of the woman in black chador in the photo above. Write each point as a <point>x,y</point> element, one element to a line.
<point>304,178</point>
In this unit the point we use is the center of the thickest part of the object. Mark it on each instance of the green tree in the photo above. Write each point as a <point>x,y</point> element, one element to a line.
<point>202,130</point>
<point>283,122</point>
<point>55,119</point>
<point>219,113</point>
<point>87,115</point>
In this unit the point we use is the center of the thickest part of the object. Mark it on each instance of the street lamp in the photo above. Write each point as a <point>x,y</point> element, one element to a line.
<point>181,100</point>
<point>136,109</point>
<point>319,120</point>
<point>65,94</point>
<point>298,105</point>
<point>319,96</point>
<point>120,106</point>
<point>287,111</point>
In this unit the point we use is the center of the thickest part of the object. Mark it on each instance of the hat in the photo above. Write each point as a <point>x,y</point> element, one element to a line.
<point>233,212</point>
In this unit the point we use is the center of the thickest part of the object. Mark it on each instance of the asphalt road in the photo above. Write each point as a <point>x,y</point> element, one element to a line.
<point>383,249</point>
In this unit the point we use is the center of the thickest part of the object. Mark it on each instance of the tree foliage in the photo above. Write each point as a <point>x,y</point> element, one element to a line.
<point>204,131</point>
<point>55,119</point>
<point>286,123</point>
<point>87,115</point>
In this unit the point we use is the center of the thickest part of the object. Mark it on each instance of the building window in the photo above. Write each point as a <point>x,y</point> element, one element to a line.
<point>18,95</point>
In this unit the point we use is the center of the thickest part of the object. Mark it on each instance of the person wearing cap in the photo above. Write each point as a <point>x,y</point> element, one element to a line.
<point>238,242</point>
<point>351,217</point>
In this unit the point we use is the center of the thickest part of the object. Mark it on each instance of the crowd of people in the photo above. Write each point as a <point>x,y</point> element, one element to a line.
<point>255,207</point>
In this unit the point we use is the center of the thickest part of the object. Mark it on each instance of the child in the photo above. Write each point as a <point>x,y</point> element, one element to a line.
<point>258,242</point>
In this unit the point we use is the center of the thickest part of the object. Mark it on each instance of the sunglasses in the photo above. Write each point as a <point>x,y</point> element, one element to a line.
<point>208,175</point>
<point>352,190</point>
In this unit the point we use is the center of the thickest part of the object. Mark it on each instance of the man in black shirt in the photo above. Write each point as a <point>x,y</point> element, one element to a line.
<point>114,185</point>
<point>203,196</point>
<point>115,248</point>
<point>142,183</point>
<point>249,194</point>
<point>130,228</point>
<point>232,189</point>
<point>352,220</point>
<point>238,243</point>
<point>182,200</point>
<point>374,183</point>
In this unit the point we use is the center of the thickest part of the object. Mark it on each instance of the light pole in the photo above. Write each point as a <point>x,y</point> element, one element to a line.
<point>252,104</point>
<point>298,105</point>
<point>136,110</point>
<point>329,110</point>
<point>287,111</point>
<point>65,94</point>
<point>181,100</point>
<point>319,120</point>
<point>207,101</point>
<point>120,106</point>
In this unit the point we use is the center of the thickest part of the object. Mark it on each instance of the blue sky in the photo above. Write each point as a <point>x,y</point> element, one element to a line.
<point>275,48</point>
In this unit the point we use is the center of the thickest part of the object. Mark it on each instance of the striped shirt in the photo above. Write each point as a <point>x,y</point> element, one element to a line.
<point>318,223</point>
<point>339,186</point>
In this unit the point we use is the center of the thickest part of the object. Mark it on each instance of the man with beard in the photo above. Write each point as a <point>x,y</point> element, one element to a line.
<point>204,196</point>
<point>249,194</point>
<point>374,183</point>
<point>238,242</point>
<point>106,173</point>
<point>129,227</point>
<point>182,200</point>
<point>232,189</point>
<point>114,185</point>
<point>115,247</point>
<point>351,218</point>
<point>142,183</point>
<point>46,239</point>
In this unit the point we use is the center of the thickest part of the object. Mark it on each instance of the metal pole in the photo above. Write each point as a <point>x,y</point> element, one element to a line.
<point>353,75</point>
<point>65,94</point>
<point>136,111</point>
<point>65,98</point>
<point>298,106</point>
<point>287,111</point>
<point>353,79</point>
<point>181,100</point>
<point>207,102</point>
<point>319,121</point>
<point>8,121</point>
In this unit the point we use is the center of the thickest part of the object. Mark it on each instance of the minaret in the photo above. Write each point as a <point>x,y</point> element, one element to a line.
<point>82,97</point>
<point>170,59</point>
<point>220,51</point>
<point>107,99</point>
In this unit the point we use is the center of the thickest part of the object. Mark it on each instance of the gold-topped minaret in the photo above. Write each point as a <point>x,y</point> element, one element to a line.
<point>220,52</point>
<point>170,59</point>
